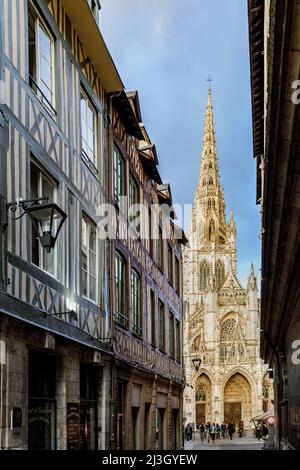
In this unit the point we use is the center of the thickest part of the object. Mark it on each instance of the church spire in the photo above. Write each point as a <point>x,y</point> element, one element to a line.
<point>209,194</point>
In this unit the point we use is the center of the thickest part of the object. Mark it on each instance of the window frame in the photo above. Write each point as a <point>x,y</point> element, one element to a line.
<point>41,173</point>
<point>122,318</point>
<point>160,249</point>
<point>161,326</point>
<point>153,322</point>
<point>177,276</point>
<point>136,303</point>
<point>203,284</point>
<point>89,105</point>
<point>170,264</point>
<point>89,223</point>
<point>35,82</point>
<point>118,190</point>
<point>171,335</point>
<point>178,342</point>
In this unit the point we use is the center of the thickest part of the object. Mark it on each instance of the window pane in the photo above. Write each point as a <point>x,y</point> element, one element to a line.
<point>45,72</point>
<point>88,260</point>
<point>32,44</point>
<point>92,239</point>
<point>84,282</point>
<point>45,44</point>
<point>47,189</point>
<point>48,261</point>
<point>92,288</point>
<point>92,263</point>
<point>84,258</point>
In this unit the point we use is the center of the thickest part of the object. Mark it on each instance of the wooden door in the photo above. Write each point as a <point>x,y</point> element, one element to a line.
<point>200,414</point>
<point>232,412</point>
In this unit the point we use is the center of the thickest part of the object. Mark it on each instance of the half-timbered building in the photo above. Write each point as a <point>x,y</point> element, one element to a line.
<point>55,73</point>
<point>146,287</point>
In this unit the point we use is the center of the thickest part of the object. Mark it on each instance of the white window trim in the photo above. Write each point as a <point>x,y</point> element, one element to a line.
<point>95,113</point>
<point>41,174</point>
<point>39,23</point>
<point>96,301</point>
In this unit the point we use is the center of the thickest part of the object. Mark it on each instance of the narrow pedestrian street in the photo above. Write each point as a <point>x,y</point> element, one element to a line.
<point>237,443</point>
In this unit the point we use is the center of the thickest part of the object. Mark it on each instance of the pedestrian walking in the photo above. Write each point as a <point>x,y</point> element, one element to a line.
<point>213,432</point>
<point>202,432</point>
<point>231,430</point>
<point>218,431</point>
<point>223,430</point>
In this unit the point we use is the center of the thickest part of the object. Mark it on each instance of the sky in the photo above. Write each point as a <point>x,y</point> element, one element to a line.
<point>165,49</point>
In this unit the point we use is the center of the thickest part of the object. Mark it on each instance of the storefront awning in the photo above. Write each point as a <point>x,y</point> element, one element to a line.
<point>264,416</point>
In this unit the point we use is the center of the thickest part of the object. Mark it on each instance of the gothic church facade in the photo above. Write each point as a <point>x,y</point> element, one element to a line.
<point>222,323</point>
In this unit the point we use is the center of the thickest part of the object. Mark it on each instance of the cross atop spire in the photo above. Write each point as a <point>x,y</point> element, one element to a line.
<point>209,80</point>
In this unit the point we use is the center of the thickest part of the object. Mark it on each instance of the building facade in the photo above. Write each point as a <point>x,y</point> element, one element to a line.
<point>90,330</point>
<point>274,51</point>
<point>146,291</point>
<point>54,307</point>
<point>222,321</point>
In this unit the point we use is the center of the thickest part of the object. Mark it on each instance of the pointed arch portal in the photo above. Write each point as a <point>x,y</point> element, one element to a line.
<point>237,400</point>
<point>203,399</point>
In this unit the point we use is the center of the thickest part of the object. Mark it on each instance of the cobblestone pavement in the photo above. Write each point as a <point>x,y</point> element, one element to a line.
<point>237,443</point>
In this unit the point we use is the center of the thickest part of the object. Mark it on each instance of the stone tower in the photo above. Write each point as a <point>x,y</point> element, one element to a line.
<point>222,318</point>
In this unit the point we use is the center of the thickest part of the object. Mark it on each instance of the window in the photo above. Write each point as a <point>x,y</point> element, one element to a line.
<point>121,303</point>
<point>41,185</point>
<point>220,273</point>
<point>151,230</point>
<point>41,60</point>
<point>211,181</point>
<point>178,346</point>
<point>94,7</point>
<point>160,249</point>
<point>153,319</point>
<point>161,325</point>
<point>177,275</point>
<point>88,116</point>
<point>170,264</point>
<point>133,192</point>
<point>171,333</point>
<point>133,211</point>
<point>210,165</point>
<point>136,303</point>
<point>119,175</point>
<point>204,182</point>
<point>88,260</point>
<point>204,275</point>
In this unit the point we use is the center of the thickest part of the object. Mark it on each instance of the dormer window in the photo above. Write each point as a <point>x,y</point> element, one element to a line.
<point>95,7</point>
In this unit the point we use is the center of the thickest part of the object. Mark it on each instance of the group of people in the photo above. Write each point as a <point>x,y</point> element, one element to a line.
<point>213,431</point>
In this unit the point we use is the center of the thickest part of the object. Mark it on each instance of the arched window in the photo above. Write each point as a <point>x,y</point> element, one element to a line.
<point>220,273</point>
<point>227,332</point>
<point>209,204</point>
<point>210,165</point>
<point>228,329</point>
<point>212,230</point>
<point>204,182</point>
<point>211,181</point>
<point>204,275</point>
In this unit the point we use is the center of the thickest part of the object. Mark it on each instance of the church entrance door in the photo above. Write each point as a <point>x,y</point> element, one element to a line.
<point>232,412</point>
<point>200,413</point>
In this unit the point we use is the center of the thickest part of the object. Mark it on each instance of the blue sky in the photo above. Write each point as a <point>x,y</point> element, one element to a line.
<point>165,49</point>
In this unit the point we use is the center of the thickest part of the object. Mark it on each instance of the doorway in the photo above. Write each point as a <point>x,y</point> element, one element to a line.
<point>41,402</point>
<point>232,412</point>
<point>200,414</point>
<point>88,407</point>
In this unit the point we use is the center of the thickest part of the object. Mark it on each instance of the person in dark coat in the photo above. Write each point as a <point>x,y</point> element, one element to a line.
<point>231,430</point>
